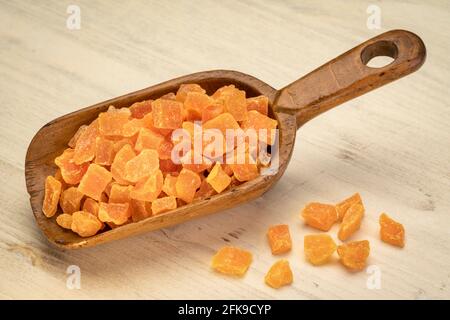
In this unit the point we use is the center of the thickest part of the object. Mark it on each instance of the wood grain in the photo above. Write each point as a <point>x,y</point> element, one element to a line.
<point>390,145</point>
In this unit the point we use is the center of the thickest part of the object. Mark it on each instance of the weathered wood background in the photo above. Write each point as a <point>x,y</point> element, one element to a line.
<point>391,145</point>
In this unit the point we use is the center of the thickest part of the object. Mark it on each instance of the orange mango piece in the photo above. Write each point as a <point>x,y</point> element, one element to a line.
<point>168,166</point>
<point>231,261</point>
<point>86,144</point>
<point>70,200</point>
<point>94,181</point>
<point>164,204</point>
<point>351,222</point>
<point>195,161</point>
<point>279,275</point>
<point>169,186</point>
<point>73,141</point>
<point>244,167</point>
<point>391,231</point>
<point>117,213</point>
<point>119,144</point>
<point>205,190</point>
<point>167,114</point>
<point>186,88</point>
<point>235,103</point>
<point>91,206</point>
<point>343,206</point>
<point>195,103</point>
<point>259,122</point>
<point>51,196</point>
<point>222,91</point>
<point>212,111</point>
<point>111,123</point>
<point>64,220</point>
<point>222,122</point>
<point>165,149</point>
<point>260,104</point>
<point>142,166</point>
<point>140,210</point>
<point>353,255</point>
<point>318,248</point>
<point>320,216</point>
<point>218,179</point>
<point>70,172</point>
<point>279,239</point>
<point>148,189</point>
<point>119,193</point>
<point>187,184</point>
<point>85,224</point>
<point>148,139</point>
<point>140,109</point>
<point>120,160</point>
<point>104,151</point>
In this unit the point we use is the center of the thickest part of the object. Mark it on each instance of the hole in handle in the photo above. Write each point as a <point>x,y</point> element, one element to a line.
<point>379,54</point>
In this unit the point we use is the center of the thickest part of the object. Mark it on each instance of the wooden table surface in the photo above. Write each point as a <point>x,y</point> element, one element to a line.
<point>391,145</point>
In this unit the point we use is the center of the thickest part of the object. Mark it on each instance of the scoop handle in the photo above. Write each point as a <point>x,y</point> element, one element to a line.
<point>347,76</point>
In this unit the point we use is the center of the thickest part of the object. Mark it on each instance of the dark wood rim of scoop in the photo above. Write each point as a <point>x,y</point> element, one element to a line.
<point>339,80</point>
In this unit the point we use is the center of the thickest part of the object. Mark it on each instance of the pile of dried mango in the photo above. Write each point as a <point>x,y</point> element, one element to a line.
<point>121,168</point>
<point>318,248</point>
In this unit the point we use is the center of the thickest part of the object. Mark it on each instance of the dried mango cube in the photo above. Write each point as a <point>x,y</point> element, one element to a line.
<point>168,166</point>
<point>148,189</point>
<point>94,181</point>
<point>85,224</point>
<point>70,200</point>
<point>186,88</point>
<point>104,151</point>
<point>218,179</point>
<point>354,254</point>
<point>51,196</point>
<point>222,122</point>
<point>343,206</point>
<point>318,248</point>
<point>167,114</point>
<point>279,238</point>
<point>73,141</point>
<point>195,161</point>
<point>195,103</point>
<point>85,147</point>
<point>231,261</point>
<point>262,125</point>
<point>147,139</point>
<point>120,160</point>
<point>279,275</point>
<point>64,220</point>
<point>169,96</point>
<point>205,190</point>
<point>119,144</point>
<point>351,222</point>
<point>187,184</point>
<point>244,166</point>
<point>260,104</point>
<point>117,213</point>
<point>164,204</point>
<point>165,149</point>
<point>222,91</point>
<point>169,186</point>
<point>111,123</point>
<point>212,111</point>
<point>235,103</point>
<point>119,193</point>
<point>140,109</point>
<point>142,166</point>
<point>140,210</point>
<point>91,206</point>
<point>391,231</point>
<point>320,216</point>
<point>71,172</point>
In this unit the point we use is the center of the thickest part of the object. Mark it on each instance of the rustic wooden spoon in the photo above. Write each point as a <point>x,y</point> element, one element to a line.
<point>339,80</point>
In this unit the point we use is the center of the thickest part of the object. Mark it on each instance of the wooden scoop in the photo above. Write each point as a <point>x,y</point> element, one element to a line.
<point>339,80</point>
